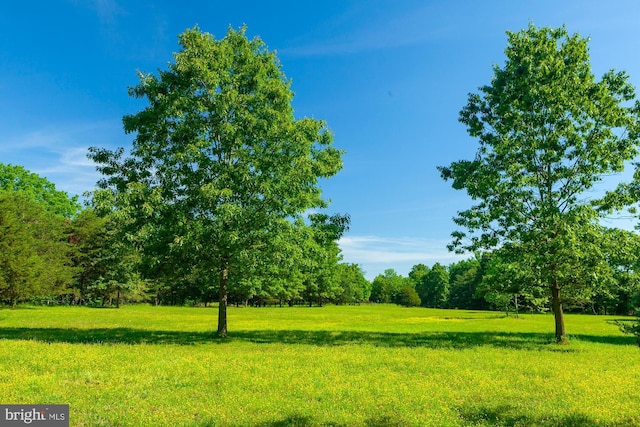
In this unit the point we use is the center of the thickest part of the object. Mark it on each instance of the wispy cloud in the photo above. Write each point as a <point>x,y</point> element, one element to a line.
<point>377,253</point>
<point>107,10</point>
<point>409,28</point>
<point>59,153</point>
<point>72,171</point>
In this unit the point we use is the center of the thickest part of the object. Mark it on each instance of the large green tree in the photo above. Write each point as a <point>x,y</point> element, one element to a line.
<point>219,158</point>
<point>548,131</point>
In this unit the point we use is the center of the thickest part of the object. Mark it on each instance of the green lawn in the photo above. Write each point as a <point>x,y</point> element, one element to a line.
<point>360,366</point>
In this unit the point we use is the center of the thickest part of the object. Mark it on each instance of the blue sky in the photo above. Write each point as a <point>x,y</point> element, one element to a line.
<point>389,77</point>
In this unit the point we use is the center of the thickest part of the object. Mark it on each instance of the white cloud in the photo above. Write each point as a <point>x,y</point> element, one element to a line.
<point>375,254</point>
<point>59,152</point>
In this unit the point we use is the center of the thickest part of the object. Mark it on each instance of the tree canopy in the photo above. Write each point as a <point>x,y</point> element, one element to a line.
<point>34,250</point>
<point>219,160</point>
<point>547,132</point>
<point>434,287</point>
<point>39,189</point>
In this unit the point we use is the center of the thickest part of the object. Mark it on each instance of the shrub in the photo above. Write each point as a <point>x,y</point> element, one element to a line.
<point>408,297</point>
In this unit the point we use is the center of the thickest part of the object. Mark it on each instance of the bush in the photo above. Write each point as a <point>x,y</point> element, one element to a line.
<point>408,297</point>
<point>631,327</point>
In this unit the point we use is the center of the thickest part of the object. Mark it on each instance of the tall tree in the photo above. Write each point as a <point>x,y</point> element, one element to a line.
<point>386,287</point>
<point>107,266</point>
<point>465,278</point>
<point>322,281</point>
<point>417,274</point>
<point>434,287</point>
<point>218,159</point>
<point>354,287</point>
<point>89,239</point>
<point>34,250</point>
<point>548,131</point>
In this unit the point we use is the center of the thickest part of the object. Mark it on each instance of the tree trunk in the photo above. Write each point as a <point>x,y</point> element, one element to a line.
<point>561,335</point>
<point>222,307</point>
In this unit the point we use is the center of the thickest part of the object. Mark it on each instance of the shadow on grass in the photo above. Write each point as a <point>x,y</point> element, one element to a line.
<point>501,416</point>
<point>306,421</point>
<point>107,336</point>
<point>605,339</point>
<point>507,416</point>
<point>454,340</point>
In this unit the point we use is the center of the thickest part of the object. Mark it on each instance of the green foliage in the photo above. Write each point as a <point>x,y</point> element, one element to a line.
<point>107,266</point>
<point>625,196</point>
<point>622,250</point>
<point>386,287</point>
<point>322,254</point>
<point>548,131</point>
<point>509,282</point>
<point>465,278</point>
<point>218,162</point>
<point>89,238</point>
<point>434,287</point>
<point>34,250</point>
<point>417,274</point>
<point>354,287</point>
<point>631,327</point>
<point>38,189</point>
<point>408,297</point>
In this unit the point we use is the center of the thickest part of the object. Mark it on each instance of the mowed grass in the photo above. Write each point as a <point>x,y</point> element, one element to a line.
<point>330,366</point>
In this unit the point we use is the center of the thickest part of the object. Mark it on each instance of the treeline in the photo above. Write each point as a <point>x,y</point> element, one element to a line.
<point>54,251</point>
<point>502,280</point>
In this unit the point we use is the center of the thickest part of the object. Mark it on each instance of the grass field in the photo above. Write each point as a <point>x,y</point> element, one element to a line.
<point>330,366</point>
